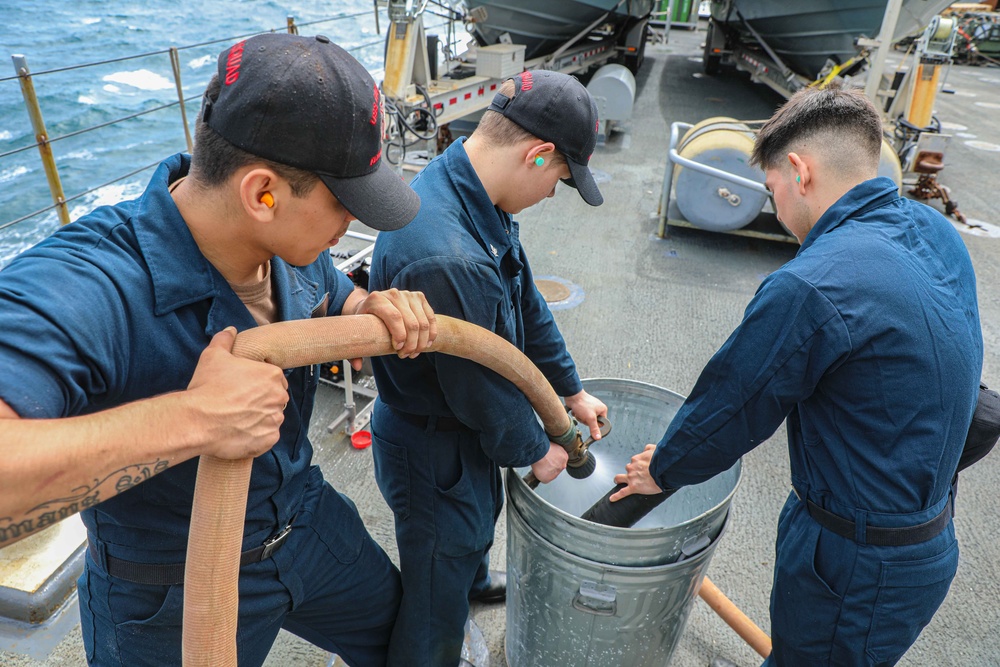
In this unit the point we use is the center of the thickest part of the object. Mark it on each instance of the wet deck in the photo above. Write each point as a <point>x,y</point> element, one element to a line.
<point>655,310</point>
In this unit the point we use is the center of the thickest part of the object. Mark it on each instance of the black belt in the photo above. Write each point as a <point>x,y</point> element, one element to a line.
<point>169,574</point>
<point>445,424</point>
<point>877,535</point>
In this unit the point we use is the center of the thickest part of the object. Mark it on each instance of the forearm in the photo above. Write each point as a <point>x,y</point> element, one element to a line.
<point>53,468</point>
<point>354,301</point>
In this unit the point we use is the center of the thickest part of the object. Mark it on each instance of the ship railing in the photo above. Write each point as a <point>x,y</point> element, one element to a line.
<point>44,141</point>
<point>351,418</point>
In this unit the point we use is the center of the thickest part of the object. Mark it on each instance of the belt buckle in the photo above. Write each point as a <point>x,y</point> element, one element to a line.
<point>273,543</point>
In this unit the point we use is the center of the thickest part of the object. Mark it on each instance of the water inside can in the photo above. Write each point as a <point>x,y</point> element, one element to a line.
<point>639,414</point>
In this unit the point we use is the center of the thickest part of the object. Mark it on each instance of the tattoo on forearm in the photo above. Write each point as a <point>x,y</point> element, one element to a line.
<point>143,471</point>
<point>57,509</point>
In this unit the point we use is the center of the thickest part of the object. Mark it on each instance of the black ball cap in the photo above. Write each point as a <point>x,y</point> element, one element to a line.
<point>556,107</point>
<point>307,103</point>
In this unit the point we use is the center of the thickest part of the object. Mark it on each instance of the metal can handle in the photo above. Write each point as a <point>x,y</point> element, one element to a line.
<point>597,599</point>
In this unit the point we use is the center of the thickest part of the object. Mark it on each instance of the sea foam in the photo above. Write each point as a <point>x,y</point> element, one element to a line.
<point>142,79</point>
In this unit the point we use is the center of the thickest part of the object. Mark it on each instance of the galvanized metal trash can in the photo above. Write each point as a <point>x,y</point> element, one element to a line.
<point>581,594</point>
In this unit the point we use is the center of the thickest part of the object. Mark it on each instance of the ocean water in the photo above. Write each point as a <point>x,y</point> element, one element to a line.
<point>55,34</point>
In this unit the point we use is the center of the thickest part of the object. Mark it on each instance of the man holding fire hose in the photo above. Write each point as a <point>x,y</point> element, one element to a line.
<point>115,339</point>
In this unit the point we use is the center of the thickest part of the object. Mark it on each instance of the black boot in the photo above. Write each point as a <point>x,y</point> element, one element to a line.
<point>496,591</point>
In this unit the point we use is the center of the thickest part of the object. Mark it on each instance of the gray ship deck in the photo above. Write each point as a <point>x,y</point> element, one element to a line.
<point>656,309</point>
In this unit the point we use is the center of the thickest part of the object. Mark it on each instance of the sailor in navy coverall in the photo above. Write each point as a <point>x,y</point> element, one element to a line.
<point>141,250</point>
<point>443,426</point>
<point>869,343</point>
<point>107,321</point>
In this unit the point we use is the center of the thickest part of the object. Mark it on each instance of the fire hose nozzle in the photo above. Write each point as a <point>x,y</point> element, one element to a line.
<point>581,463</point>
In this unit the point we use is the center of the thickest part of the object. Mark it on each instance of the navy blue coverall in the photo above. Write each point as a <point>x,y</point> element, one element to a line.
<point>444,484</point>
<point>117,307</point>
<point>869,342</point>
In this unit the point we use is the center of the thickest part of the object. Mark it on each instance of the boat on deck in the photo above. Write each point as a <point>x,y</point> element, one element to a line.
<point>545,26</point>
<point>806,34</point>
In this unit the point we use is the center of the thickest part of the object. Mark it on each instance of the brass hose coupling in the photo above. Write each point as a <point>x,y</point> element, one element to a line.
<point>581,463</point>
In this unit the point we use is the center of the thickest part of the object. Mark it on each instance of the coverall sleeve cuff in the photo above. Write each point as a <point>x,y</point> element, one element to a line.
<point>568,385</point>
<point>532,454</point>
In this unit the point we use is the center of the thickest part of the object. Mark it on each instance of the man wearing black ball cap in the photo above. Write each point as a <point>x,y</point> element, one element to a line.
<point>443,426</point>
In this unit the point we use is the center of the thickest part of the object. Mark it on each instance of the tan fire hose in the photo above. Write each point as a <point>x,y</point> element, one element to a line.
<point>735,618</point>
<point>211,577</point>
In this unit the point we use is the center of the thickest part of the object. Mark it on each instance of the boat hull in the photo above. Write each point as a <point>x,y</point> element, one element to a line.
<point>544,26</point>
<point>806,34</point>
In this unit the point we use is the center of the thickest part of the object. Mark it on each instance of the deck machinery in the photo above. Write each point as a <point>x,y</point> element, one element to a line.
<point>708,183</point>
<point>419,102</point>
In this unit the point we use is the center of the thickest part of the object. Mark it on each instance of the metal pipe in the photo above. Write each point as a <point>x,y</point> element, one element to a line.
<point>885,33</point>
<point>349,407</point>
<point>785,71</point>
<point>668,177</point>
<point>355,259</point>
<point>627,512</point>
<point>718,173</point>
<point>359,235</point>
<point>41,136</point>
<point>558,52</point>
<point>175,65</point>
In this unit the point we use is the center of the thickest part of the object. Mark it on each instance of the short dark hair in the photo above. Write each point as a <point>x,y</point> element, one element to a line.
<point>844,113</point>
<point>501,131</point>
<point>213,159</point>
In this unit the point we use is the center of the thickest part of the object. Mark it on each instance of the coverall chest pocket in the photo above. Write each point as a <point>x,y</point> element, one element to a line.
<point>506,324</point>
<point>508,309</point>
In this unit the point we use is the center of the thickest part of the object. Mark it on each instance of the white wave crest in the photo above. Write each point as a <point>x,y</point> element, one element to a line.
<point>5,135</point>
<point>109,195</point>
<point>201,62</point>
<point>142,79</point>
<point>86,99</point>
<point>11,174</point>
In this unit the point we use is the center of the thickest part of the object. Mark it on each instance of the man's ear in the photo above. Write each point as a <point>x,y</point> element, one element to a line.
<point>803,174</point>
<point>258,193</point>
<point>540,149</point>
